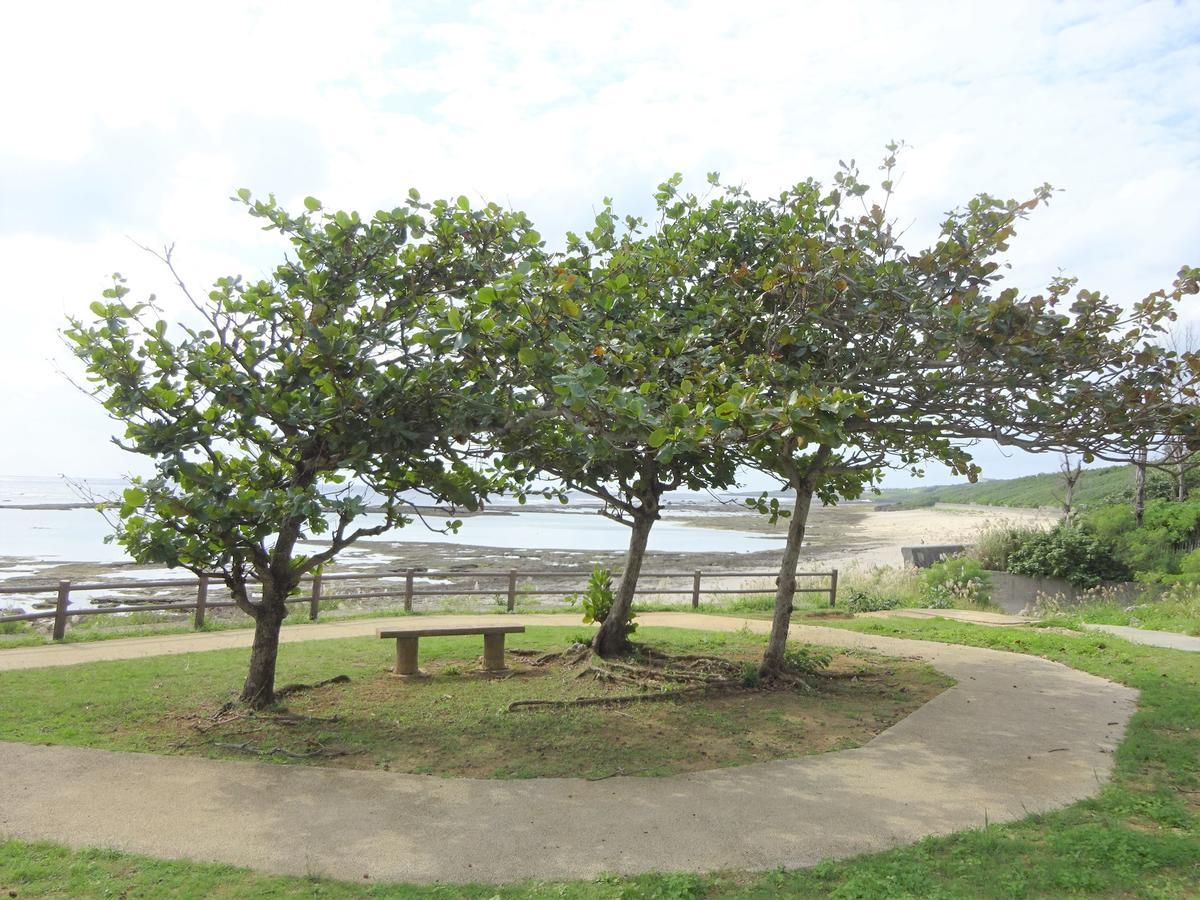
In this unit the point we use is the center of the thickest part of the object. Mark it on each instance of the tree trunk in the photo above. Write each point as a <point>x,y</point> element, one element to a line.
<point>259,689</point>
<point>785,592</point>
<point>1182,467</point>
<point>1139,488</point>
<point>612,639</point>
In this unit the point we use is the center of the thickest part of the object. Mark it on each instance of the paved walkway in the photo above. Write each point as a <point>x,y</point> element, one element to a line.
<point>1015,735</point>
<point>975,617</point>
<point>1170,639</point>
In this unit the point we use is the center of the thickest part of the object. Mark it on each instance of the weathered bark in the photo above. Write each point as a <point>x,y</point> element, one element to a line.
<point>259,688</point>
<point>611,639</point>
<point>1071,475</point>
<point>785,591</point>
<point>1139,488</point>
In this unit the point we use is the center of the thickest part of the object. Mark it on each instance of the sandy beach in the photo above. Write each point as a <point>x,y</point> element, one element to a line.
<point>855,535</point>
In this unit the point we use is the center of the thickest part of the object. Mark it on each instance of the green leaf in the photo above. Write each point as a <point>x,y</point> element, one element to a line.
<point>658,437</point>
<point>526,356</point>
<point>312,204</point>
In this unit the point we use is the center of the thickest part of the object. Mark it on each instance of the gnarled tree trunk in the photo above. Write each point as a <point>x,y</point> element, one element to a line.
<point>258,691</point>
<point>612,639</point>
<point>1139,488</point>
<point>785,592</point>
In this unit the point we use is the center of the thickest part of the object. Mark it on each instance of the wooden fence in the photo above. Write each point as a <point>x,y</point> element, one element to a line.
<point>316,586</point>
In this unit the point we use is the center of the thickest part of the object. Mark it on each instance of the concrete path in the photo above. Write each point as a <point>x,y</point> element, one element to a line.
<point>1169,639</point>
<point>1015,735</point>
<point>171,644</point>
<point>975,617</point>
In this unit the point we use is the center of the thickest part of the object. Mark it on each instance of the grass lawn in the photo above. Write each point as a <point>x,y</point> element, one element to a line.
<point>1140,837</point>
<point>456,722</point>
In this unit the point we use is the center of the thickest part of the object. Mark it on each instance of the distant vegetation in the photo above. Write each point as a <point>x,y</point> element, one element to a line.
<point>1096,486</point>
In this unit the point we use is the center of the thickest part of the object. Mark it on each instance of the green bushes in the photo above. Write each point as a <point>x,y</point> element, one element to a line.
<point>884,582</point>
<point>1068,552</point>
<point>1162,547</point>
<point>956,581</point>
<point>996,544</point>
<point>860,602</point>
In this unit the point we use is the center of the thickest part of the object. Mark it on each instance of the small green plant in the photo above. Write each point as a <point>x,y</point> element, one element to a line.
<point>956,581</point>
<point>805,660</point>
<point>750,676</point>
<point>13,628</point>
<point>597,599</point>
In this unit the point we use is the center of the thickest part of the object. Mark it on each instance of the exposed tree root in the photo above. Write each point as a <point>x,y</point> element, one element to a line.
<point>296,688</point>
<point>321,750</point>
<point>615,701</point>
<point>573,655</point>
<point>784,679</point>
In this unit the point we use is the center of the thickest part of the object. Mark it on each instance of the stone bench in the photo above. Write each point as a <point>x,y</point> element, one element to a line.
<point>407,638</point>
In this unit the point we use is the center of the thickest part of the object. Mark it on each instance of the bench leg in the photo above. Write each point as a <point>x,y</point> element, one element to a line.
<point>493,652</point>
<point>406,656</point>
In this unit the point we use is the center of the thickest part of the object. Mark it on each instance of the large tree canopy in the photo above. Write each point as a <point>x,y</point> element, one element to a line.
<point>274,401</point>
<point>608,355</point>
<point>848,352</point>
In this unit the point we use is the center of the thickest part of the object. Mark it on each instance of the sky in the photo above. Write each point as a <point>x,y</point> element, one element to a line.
<point>130,123</point>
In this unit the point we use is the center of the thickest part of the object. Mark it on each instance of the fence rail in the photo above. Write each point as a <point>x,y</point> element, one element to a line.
<point>316,595</point>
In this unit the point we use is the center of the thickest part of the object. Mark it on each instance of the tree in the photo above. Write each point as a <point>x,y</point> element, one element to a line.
<point>1184,340</point>
<point>608,353</point>
<point>1071,476</point>
<point>858,353</point>
<point>268,411</point>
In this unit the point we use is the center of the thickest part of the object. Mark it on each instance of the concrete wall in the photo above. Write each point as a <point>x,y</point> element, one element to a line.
<point>1013,593</point>
<point>925,555</point>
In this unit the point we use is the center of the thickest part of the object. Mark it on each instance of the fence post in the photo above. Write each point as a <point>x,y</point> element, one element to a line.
<point>512,589</point>
<point>201,602</point>
<point>833,588</point>
<point>696,590</point>
<point>314,604</point>
<point>408,589</point>
<point>60,610</point>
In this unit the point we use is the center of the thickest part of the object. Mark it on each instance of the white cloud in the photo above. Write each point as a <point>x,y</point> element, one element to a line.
<point>140,119</point>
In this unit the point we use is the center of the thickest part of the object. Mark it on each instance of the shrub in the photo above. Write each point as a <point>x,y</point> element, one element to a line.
<point>954,581</point>
<point>1170,530</point>
<point>996,544</point>
<point>860,602</point>
<point>904,584</point>
<point>1068,552</point>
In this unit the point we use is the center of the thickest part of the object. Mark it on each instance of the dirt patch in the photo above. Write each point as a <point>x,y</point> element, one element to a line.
<point>457,722</point>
